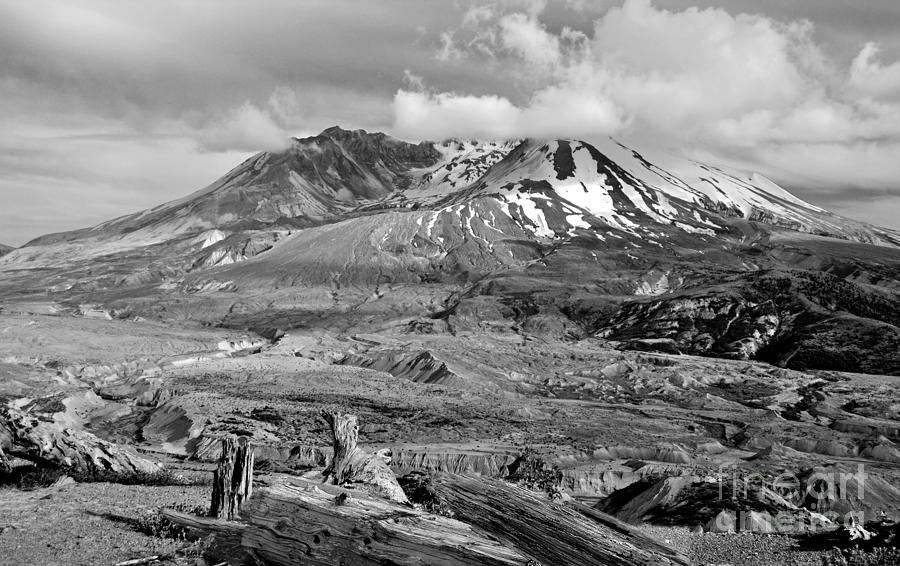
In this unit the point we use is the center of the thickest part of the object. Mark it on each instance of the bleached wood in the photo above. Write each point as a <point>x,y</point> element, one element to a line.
<point>351,464</point>
<point>296,520</point>
<point>47,443</point>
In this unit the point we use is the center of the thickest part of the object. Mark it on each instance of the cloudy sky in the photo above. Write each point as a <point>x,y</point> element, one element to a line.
<point>111,106</point>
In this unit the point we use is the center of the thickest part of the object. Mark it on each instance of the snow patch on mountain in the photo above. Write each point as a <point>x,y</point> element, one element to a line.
<point>209,238</point>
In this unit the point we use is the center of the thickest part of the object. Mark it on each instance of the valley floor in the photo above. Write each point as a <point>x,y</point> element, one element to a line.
<point>605,419</point>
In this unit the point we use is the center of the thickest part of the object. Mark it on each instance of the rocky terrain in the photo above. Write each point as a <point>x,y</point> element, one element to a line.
<point>661,342</point>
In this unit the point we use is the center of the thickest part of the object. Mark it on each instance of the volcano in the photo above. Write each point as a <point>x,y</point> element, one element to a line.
<point>562,237</point>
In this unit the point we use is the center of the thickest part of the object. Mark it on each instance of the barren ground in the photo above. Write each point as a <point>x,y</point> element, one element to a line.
<point>605,418</point>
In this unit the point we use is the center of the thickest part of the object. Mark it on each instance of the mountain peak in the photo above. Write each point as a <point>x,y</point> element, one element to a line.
<point>541,190</point>
<point>337,132</point>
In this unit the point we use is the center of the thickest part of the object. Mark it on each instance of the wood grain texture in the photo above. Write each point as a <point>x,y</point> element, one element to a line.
<point>293,520</point>
<point>47,443</point>
<point>297,521</point>
<point>351,464</point>
<point>562,534</point>
<point>233,478</point>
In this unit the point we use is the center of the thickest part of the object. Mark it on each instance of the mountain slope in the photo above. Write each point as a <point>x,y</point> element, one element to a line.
<point>560,237</point>
<point>338,172</point>
<point>4,249</point>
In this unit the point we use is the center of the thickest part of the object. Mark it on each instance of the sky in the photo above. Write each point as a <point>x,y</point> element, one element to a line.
<point>113,106</point>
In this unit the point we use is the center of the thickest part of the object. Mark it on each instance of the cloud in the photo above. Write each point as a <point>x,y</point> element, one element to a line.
<point>868,76</point>
<point>98,94</point>
<point>246,128</point>
<point>443,115</point>
<point>526,37</point>
<point>705,80</point>
<point>69,176</point>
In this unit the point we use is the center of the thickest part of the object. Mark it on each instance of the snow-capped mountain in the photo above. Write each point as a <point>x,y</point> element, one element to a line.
<point>432,210</point>
<point>549,189</point>
<point>555,187</point>
<point>559,236</point>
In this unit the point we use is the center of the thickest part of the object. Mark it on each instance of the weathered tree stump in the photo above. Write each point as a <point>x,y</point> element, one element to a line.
<point>345,434</point>
<point>351,464</point>
<point>233,478</point>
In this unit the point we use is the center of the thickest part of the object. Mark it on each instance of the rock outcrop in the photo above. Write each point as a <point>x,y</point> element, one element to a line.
<point>797,319</point>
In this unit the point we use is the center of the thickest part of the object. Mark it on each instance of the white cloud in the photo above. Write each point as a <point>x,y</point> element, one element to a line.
<point>437,116</point>
<point>311,109</point>
<point>704,78</point>
<point>835,165</point>
<point>525,36</point>
<point>246,128</point>
<point>414,81</point>
<point>69,176</point>
<point>870,77</point>
<point>448,51</point>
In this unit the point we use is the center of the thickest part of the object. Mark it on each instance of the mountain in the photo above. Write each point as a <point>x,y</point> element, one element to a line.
<point>4,249</point>
<point>350,229</point>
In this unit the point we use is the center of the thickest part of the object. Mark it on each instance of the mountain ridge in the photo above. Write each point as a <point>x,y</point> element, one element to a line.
<point>349,230</point>
<point>321,177</point>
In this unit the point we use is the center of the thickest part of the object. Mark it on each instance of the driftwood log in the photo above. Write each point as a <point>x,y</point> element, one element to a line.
<point>352,465</point>
<point>46,442</point>
<point>233,478</point>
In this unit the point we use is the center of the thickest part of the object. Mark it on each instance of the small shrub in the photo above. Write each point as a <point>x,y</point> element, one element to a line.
<point>33,477</point>
<point>419,489</point>
<point>155,525</point>
<point>159,478</point>
<point>531,471</point>
<point>30,477</point>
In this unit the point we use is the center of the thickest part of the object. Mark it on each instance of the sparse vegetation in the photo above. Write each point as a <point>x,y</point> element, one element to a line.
<point>881,556</point>
<point>34,477</point>
<point>419,489</point>
<point>154,525</point>
<point>160,478</point>
<point>533,472</point>
<point>30,477</point>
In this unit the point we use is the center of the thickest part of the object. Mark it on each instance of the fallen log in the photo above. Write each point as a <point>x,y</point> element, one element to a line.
<point>294,520</point>
<point>48,443</point>
<point>351,464</point>
<point>197,527</point>
<point>224,536</point>
<point>233,478</point>
<point>562,534</point>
